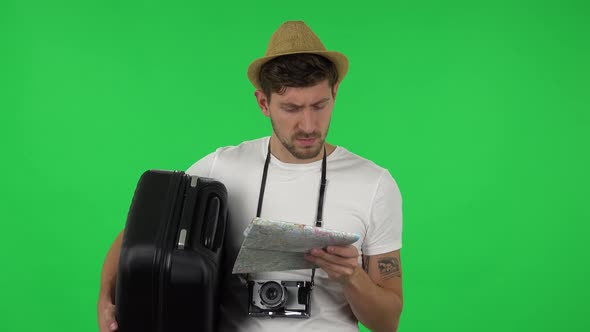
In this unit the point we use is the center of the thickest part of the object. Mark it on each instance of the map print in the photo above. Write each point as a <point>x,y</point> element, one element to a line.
<point>271,245</point>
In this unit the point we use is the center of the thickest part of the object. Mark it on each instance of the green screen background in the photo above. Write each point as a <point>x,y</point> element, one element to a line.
<point>478,109</point>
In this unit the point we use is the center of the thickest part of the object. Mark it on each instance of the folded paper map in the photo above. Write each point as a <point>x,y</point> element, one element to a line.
<point>271,245</point>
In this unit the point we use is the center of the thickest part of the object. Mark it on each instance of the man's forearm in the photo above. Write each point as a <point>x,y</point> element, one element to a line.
<point>377,308</point>
<point>108,275</point>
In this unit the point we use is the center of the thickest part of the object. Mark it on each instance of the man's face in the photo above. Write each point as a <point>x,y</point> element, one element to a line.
<point>300,118</point>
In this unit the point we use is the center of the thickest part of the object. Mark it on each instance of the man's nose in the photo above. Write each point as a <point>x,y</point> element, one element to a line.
<point>307,121</point>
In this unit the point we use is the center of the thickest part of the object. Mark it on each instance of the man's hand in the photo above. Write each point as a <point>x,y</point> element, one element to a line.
<point>108,280</point>
<point>340,263</point>
<point>106,316</point>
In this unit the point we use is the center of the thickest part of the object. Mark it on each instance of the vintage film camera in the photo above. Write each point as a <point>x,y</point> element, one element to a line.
<point>275,298</point>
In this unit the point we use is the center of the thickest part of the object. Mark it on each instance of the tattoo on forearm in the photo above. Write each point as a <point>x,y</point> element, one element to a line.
<point>389,268</point>
<point>366,263</point>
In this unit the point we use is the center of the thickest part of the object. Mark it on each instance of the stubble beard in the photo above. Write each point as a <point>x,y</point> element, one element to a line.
<point>305,153</point>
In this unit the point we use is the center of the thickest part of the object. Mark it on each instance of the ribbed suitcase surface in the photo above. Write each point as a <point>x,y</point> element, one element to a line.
<point>169,267</point>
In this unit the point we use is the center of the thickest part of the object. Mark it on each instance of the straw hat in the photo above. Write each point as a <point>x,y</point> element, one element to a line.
<point>295,37</point>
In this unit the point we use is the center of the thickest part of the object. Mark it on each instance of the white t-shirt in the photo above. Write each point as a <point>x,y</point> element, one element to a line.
<point>360,197</point>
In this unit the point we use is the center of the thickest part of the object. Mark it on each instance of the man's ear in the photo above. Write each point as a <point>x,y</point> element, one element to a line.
<point>262,102</point>
<point>335,90</point>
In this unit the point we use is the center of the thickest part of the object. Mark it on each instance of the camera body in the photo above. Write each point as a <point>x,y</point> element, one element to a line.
<point>276,298</point>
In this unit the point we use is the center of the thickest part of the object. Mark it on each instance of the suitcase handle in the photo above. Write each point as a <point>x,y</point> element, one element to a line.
<point>211,222</point>
<point>203,219</point>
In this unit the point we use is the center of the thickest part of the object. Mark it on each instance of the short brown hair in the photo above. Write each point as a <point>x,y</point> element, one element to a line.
<point>296,70</point>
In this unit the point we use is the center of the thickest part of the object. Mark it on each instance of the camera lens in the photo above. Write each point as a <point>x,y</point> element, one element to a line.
<point>272,294</point>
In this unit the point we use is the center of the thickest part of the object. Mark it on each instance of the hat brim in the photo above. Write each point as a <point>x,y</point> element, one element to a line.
<point>339,60</point>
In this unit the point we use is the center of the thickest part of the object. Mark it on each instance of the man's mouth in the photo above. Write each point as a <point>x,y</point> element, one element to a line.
<point>306,141</point>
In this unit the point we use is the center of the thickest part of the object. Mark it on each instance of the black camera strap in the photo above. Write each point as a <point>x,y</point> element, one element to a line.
<point>320,211</point>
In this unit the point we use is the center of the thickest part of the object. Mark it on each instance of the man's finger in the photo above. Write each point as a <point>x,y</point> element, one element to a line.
<point>349,262</point>
<point>334,270</point>
<point>109,316</point>
<point>348,251</point>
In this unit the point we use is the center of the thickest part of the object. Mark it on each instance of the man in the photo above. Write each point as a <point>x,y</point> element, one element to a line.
<point>296,86</point>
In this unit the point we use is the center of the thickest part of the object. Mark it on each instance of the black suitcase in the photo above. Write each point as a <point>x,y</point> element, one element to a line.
<point>169,267</point>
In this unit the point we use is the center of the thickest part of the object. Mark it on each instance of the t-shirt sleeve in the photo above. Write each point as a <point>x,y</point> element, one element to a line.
<point>204,167</point>
<point>384,233</point>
